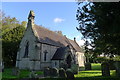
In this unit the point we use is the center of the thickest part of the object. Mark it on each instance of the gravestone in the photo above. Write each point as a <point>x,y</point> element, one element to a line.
<point>88,66</point>
<point>62,73</point>
<point>2,64</point>
<point>117,66</point>
<point>15,71</point>
<point>54,72</point>
<point>32,74</point>
<point>70,75</point>
<point>46,72</point>
<point>105,69</point>
<point>111,63</point>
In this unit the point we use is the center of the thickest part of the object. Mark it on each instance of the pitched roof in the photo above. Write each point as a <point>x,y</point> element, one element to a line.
<point>49,37</point>
<point>59,54</point>
<point>75,45</point>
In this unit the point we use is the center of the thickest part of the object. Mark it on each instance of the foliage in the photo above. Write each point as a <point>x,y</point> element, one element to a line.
<point>101,59</point>
<point>99,24</point>
<point>12,32</point>
<point>10,42</point>
<point>116,58</point>
<point>75,68</point>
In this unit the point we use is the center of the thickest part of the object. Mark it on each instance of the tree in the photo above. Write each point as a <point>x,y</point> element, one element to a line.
<point>99,24</point>
<point>12,33</point>
<point>11,41</point>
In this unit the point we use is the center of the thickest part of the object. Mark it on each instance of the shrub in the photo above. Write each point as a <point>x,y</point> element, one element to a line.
<point>75,68</point>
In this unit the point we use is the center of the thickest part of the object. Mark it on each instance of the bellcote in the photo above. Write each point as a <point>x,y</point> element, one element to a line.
<point>31,15</point>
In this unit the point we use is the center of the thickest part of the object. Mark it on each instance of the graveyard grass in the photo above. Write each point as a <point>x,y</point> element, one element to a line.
<point>7,74</point>
<point>94,74</point>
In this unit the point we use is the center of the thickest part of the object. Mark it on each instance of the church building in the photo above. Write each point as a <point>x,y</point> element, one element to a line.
<point>40,48</point>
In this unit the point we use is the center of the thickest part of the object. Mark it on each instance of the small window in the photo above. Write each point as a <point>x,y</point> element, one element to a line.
<point>26,50</point>
<point>45,55</point>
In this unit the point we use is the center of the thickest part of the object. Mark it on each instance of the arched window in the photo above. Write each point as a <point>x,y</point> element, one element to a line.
<point>26,50</point>
<point>45,55</point>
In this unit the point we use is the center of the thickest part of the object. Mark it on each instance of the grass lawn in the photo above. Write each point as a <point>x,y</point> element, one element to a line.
<point>7,74</point>
<point>96,66</point>
<point>94,74</point>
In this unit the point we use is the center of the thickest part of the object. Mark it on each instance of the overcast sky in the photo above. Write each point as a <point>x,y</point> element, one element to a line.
<point>52,15</point>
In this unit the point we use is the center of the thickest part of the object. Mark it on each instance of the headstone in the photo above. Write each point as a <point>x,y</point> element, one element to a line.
<point>54,72</point>
<point>46,72</point>
<point>117,66</point>
<point>88,66</point>
<point>62,73</point>
<point>105,69</point>
<point>111,63</point>
<point>70,75</point>
<point>15,71</point>
<point>1,66</point>
<point>32,74</point>
<point>75,68</point>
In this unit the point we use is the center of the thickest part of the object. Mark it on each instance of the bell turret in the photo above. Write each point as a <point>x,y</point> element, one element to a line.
<point>31,15</point>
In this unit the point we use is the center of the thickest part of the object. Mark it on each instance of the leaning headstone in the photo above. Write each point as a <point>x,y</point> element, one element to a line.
<point>117,66</point>
<point>46,72</point>
<point>88,66</point>
<point>75,68</point>
<point>15,71</point>
<point>70,75</point>
<point>54,72</point>
<point>105,69</point>
<point>62,73</point>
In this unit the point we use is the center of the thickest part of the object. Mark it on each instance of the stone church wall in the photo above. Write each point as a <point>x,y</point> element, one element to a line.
<point>22,62</point>
<point>81,58</point>
<point>56,63</point>
<point>50,52</point>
